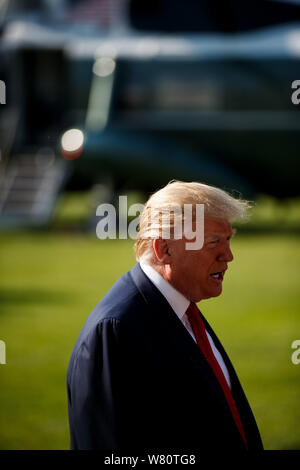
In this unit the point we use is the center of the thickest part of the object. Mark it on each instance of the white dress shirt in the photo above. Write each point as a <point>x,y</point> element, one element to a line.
<point>180,304</point>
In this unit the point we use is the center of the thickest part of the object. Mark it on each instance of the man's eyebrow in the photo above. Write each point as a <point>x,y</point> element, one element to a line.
<point>221,235</point>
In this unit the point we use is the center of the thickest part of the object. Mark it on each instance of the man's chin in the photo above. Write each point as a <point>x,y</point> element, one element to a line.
<point>217,292</point>
<point>208,295</point>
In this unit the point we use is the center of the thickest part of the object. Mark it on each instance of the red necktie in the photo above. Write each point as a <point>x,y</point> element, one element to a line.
<point>198,328</point>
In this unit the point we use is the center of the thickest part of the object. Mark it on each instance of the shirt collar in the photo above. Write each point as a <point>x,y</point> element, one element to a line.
<point>177,301</point>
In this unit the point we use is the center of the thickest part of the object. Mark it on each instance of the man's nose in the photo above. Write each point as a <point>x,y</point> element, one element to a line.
<point>226,255</point>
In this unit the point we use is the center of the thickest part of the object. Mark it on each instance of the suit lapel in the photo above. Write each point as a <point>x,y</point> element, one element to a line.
<point>235,384</point>
<point>247,417</point>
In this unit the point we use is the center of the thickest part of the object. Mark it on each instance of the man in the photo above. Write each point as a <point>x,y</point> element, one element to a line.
<point>147,372</point>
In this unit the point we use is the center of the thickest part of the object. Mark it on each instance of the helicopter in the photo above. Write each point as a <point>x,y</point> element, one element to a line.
<point>162,90</point>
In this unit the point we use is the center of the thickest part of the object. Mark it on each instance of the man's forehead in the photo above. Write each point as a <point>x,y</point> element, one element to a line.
<point>218,227</point>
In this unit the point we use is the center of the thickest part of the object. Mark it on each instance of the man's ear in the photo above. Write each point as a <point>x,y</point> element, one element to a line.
<point>161,250</point>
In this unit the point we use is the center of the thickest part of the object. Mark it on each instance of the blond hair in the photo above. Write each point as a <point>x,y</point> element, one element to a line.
<point>218,204</point>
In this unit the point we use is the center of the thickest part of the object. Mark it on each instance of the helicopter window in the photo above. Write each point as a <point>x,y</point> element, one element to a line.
<point>210,15</point>
<point>207,86</point>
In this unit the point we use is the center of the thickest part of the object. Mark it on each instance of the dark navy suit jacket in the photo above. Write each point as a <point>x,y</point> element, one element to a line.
<point>137,380</point>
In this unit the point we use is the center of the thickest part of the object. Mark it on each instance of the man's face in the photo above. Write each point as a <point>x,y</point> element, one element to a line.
<point>198,274</point>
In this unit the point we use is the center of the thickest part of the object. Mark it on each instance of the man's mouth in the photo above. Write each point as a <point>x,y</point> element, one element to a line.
<point>218,276</point>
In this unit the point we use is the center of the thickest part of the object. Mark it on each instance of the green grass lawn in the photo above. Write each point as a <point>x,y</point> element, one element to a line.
<point>51,281</point>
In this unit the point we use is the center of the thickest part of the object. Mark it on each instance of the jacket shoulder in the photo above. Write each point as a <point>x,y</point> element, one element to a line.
<point>123,303</point>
